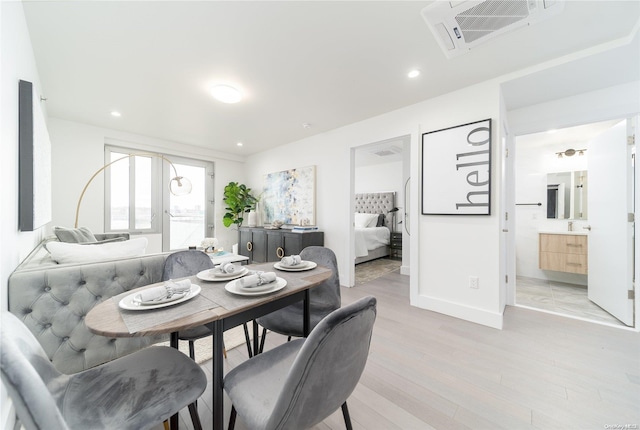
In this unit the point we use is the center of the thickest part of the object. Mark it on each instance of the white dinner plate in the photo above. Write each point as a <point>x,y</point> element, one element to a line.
<point>303,265</point>
<point>130,304</point>
<point>212,275</point>
<point>235,288</point>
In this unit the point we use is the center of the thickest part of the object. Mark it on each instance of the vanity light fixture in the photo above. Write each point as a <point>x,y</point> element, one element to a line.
<point>570,152</point>
<point>414,73</point>
<point>226,94</point>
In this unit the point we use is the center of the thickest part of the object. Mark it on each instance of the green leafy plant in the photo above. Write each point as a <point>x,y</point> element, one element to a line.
<point>239,201</point>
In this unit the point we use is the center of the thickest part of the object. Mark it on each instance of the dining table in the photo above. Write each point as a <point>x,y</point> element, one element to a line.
<point>218,303</point>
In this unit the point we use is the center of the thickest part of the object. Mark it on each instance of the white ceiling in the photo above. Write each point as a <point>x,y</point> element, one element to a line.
<point>327,64</point>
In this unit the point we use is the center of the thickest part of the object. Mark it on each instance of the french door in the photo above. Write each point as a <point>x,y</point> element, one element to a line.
<point>188,219</point>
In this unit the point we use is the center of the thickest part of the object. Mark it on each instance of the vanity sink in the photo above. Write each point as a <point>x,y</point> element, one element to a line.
<point>564,251</point>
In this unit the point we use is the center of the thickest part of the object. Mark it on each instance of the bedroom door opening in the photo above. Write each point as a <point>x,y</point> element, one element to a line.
<point>380,171</point>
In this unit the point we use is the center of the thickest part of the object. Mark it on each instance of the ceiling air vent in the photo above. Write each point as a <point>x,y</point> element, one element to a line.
<point>387,151</point>
<point>462,25</point>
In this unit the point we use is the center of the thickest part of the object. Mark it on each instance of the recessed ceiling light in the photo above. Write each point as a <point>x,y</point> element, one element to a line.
<point>226,94</point>
<point>116,114</point>
<point>414,73</point>
<point>239,144</point>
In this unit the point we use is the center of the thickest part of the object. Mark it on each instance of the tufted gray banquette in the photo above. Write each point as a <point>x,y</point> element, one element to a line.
<point>53,299</point>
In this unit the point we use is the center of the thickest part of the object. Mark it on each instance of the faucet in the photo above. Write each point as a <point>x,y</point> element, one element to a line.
<point>570,226</point>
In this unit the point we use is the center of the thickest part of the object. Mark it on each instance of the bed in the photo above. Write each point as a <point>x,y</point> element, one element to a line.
<point>372,222</point>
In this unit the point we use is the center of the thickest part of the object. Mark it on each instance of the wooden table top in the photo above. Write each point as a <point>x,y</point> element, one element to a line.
<point>106,318</point>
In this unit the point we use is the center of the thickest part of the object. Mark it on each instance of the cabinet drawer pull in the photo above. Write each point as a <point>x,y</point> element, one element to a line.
<point>280,252</point>
<point>573,264</point>
<point>249,246</point>
<point>574,244</point>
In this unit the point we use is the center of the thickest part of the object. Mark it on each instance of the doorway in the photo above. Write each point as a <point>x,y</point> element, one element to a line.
<point>382,168</point>
<point>559,262</point>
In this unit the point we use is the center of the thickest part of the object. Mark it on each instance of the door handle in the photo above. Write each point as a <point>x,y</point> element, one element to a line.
<point>587,227</point>
<point>505,230</point>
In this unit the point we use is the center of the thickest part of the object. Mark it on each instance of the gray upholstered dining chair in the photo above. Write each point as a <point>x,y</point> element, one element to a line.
<point>324,299</point>
<point>182,264</point>
<point>298,384</point>
<point>137,391</point>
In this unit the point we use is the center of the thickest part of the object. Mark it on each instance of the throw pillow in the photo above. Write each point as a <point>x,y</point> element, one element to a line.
<point>362,220</point>
<point>74,235</point>
<point>63,253</point>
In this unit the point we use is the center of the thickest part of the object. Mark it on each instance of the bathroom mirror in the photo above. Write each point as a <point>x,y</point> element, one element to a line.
<point>567,195</point>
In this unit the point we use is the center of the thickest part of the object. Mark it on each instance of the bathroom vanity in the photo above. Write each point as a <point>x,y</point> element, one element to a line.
<point>564,252</point>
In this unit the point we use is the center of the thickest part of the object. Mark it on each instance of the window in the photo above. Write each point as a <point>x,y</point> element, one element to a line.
<point>138,198</point>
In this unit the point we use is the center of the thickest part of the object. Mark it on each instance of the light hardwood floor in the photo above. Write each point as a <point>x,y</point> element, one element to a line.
<point>427,370</point>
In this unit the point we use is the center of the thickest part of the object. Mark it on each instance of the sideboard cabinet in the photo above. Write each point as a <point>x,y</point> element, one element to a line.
<point>262,245</point>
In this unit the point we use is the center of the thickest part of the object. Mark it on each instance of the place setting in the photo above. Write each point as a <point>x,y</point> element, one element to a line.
<point>169,294</point>
<point>294,263</point>
<point>256,283</point>
<point>222,272</point>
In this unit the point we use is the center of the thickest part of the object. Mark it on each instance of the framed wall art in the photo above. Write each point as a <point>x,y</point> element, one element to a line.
<point>456,170</point>
<point>289,196</point>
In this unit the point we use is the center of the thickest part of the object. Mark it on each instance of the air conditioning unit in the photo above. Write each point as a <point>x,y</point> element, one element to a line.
<point>459,26</point>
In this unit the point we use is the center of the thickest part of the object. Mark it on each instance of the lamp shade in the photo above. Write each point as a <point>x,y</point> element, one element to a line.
<point>180,186</point>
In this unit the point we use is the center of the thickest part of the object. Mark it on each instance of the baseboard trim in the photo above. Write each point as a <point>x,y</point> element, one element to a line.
<point>457,310</point>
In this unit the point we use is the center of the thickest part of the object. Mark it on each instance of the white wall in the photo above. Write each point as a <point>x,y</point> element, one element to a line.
<point>379,177</point>
<point>78,151</point>
<point>17,62</point>
<point>448,249</point>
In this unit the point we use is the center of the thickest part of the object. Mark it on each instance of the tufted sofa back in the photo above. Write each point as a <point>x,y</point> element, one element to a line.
<point>52,300</point>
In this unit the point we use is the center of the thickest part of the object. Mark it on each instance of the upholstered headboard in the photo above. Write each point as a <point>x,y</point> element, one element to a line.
<point>376,203</point>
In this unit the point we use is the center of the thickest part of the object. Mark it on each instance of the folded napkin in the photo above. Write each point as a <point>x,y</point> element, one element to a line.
<point>226,268</point>
<point>291,260</point>
<point>171,290</point>
<point>257,279</point>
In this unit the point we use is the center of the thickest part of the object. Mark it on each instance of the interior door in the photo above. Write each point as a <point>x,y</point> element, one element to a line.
<point>611,235</point>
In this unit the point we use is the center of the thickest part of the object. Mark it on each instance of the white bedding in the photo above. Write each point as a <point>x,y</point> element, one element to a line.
<point>370,238</point>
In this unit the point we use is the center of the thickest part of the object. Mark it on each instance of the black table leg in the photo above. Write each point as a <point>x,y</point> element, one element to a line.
<point>173,342</point>
<point>218,373</point>
<point>256,341</point>
<point>306,327</point>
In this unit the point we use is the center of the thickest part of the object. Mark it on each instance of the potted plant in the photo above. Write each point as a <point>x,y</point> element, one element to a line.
<point>239,200</point>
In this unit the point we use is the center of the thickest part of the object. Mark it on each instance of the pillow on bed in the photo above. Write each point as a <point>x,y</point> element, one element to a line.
<point>62,252</point>
<point>365,220</point>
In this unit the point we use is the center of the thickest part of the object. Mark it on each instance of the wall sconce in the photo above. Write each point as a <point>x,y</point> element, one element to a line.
<point>178,185</point>
<point>570,152</point>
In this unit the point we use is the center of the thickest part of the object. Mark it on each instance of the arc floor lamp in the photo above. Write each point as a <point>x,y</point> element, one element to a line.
<point>178,185</point>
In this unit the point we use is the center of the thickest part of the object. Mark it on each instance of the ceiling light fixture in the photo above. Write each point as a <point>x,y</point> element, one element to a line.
<point>306,125</point>
<point>239,144</point>
<point>116,114</point>
<point>226,94</point>
<point>414,73</point>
